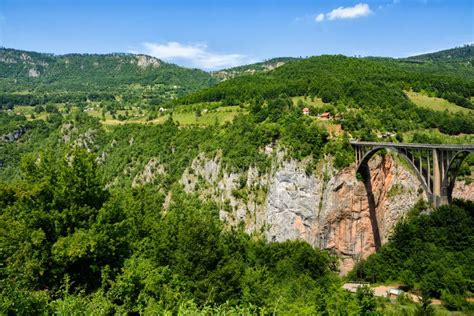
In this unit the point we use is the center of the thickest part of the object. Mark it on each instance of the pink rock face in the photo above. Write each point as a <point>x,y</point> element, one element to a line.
<point>334,213</point>
<point>349,225</point>
<point>463,190</point>
<point>329,210</point>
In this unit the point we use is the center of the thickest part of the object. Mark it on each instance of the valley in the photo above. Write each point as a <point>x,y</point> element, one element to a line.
<point>132,186</point>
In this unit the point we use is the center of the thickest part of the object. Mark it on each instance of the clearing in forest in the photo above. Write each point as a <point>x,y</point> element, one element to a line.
<point>434,103</point>
<point>316,102</point>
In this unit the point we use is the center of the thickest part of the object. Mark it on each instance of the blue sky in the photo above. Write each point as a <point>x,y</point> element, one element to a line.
<point>213,34</point>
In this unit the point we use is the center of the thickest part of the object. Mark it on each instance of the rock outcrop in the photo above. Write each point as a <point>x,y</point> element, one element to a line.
<point>14,135</point>
<point>144,61</point>
<point>151,170</point>
<point>329,209</point>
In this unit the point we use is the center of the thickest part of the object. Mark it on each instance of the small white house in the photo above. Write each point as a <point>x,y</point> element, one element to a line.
<point>394,293</point>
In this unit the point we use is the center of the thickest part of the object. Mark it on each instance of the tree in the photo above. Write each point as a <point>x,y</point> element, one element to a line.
<point>367,301</point>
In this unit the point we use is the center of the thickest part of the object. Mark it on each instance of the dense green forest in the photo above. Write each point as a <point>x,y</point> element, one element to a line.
<point>463,54</point>
<point>30,78</point>
<point>67,245</point>
<point>78,234</point>
<point>432,252</point>
<point>83,247</point>
<point>368,91</point>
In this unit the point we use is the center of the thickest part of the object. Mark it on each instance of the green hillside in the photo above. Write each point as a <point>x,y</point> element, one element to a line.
<point>96,219</point>
<point>458,54</point>
<point>36,78</point>
<point>251,69</point>
<point>435,103</point>
<point>369,92</point>
<point>433,253</point>
<point>456,62</point>
<point>81,236</point>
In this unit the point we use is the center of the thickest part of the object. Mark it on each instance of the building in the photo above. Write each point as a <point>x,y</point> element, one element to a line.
<point>325,116</point>
<point>394,293</point>
<point>305,111</point>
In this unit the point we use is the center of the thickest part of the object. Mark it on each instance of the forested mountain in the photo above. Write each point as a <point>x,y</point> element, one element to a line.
<point>43,77</point>
<point>82,70</point>
<point>49,72</point>
<point>456,62</point>
<point>375,86</point>
<point>463,54</point>
<point>223,200</point>
<point>251,69</point>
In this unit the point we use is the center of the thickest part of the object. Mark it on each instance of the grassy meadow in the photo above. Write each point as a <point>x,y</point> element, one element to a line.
<point>434,103</point>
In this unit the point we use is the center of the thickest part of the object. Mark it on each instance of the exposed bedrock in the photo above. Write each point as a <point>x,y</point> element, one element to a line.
<point>329,209</point>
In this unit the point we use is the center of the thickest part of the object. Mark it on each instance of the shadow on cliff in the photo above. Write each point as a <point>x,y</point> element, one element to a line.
<point>365,173</point>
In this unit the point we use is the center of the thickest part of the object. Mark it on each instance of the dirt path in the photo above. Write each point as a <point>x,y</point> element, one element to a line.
<point>382,291</point>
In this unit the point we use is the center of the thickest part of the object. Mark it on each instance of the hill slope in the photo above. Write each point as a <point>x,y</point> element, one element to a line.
<point>86,72</point>
<point>456,62</point>
<point>371,89</point>
<point>251,69</point>
<point>457,54</point>
<point>140,218</point>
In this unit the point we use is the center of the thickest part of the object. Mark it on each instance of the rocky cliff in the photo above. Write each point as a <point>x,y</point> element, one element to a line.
<point>329,209</point>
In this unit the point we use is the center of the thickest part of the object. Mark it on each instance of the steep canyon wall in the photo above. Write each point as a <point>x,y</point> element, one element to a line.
<point>327,208</point>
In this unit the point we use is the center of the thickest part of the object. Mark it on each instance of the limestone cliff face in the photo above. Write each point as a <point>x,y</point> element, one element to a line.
<point>329,209</point>
<point>349,225</point>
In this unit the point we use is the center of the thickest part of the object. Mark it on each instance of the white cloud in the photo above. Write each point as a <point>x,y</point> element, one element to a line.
<point>357,11</point>
<point>193,55</point>
<point>319,17</point>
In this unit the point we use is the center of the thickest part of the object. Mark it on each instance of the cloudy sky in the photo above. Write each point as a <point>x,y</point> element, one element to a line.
<point>213,34</point>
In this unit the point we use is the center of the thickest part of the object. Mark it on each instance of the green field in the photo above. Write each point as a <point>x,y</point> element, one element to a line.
<point>28,111</point>
<point>316,102</point>
<point>180,115</point>
<point>220,115</point>
<point>434,103</point>
<point>184,115</point>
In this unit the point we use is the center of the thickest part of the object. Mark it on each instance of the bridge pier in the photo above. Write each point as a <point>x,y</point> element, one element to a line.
<point>436,171</point>
<point>440,193</point>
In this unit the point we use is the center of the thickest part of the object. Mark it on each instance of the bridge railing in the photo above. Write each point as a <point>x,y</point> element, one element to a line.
<point>468,147</point>
<point>436,165</point>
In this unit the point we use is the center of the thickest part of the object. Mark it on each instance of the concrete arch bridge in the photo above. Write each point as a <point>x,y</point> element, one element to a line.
<point>436,165</point>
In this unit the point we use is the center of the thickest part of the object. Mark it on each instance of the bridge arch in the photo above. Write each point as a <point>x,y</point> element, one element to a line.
<point>436,165</point>
<point>363,163</point>
<point>453,166</point>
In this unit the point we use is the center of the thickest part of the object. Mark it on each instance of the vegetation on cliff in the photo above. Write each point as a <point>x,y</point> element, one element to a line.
<point>68,244</point>
<point>77,234</point>
<point>30,78</point>
<point>429,252</point>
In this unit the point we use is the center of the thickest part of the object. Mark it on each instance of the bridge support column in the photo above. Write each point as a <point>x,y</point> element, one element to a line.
<point>437,177</point>
<point>440,196</point>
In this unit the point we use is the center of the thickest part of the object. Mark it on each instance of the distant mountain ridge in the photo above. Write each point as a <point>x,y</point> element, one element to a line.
<point>79,71</point>
<point>458,59</point>
<point>259,67</point>
<point>457,54</point>
<point>127,68</point>
<point>119,74</point>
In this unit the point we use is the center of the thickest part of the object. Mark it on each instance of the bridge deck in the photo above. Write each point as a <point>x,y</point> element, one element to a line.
<point>468,147</point>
